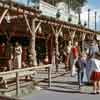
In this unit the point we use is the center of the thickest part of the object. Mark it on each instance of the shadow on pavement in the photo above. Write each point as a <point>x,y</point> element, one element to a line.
<point>72,83</point>
<point>63,91</point>
<point>58,86</point>
<point>67,82</point>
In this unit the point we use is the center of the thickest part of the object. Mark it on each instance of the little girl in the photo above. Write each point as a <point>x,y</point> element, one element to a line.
<point>95,76</point>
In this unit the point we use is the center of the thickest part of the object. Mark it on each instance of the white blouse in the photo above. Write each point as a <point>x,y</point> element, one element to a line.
<point>95,65</point>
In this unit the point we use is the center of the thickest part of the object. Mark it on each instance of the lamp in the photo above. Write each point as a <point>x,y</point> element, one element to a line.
<point>58,14</point>
<point>89,18</point>
<point>85,24</point>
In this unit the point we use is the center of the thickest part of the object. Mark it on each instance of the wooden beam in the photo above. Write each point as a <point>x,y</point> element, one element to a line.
<point>54,31</point>
<point>60,29</point>
<point>28,25</point>
<point>26,69</point>
<point>3,15</point>
<point>37,27</point>
<point>83,38</point>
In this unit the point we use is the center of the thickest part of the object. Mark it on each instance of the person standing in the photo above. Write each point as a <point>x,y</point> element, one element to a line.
<point>10,54</point>
<point>75,53</point>
<point>67,55</point>
<point>93,48</point>
<point>18,55</point>
<point>95,75</point>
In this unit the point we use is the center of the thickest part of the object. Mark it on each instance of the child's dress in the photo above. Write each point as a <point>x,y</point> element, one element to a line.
<point>95,68</point>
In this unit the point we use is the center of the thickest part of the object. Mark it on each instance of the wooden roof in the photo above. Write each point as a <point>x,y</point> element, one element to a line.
<point>16,9</point>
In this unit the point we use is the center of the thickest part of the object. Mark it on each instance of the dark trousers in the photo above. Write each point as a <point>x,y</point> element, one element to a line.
<point>80,78</point>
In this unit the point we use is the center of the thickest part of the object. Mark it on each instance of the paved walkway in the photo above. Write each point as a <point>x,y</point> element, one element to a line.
<point>63,88</point>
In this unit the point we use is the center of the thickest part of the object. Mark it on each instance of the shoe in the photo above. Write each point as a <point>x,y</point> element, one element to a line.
<point>98,93</point>
<point>81,84</point>
<point>93,93</point>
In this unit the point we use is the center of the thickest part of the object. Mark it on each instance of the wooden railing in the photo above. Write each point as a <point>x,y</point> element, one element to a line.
<point>17,71</point>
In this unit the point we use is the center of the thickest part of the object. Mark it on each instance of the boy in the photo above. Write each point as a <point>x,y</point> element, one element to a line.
<point>81,65</point>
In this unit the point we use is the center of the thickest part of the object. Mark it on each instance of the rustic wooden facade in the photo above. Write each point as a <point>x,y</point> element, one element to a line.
<point>19,20</point>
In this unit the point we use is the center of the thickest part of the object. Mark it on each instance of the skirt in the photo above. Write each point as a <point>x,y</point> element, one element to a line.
<point>95,76</point>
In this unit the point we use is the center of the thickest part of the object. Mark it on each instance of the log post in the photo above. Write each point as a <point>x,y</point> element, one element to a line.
<point>32,45</point>
<point>33,29</point>
<point>83,38</point>
<point>57,50</point>
<point>56,33</point>
<point>49,76</point>
<point>72,35</point>
<point>17,84</point>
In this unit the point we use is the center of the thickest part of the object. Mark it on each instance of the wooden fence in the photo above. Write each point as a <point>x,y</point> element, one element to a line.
<point>17,71</point>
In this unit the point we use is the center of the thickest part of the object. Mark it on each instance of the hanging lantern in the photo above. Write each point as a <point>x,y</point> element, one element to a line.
<point>58,14</point>
<point>46,59</point>
<point>69,19</point>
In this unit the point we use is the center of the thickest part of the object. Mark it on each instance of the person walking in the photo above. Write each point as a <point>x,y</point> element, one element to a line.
<point>93,48</point>
<point>18,55</point>
<point>81,64</point>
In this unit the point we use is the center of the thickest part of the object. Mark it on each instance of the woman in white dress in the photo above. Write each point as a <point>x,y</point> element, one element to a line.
<point>18,55</point>
<point>67,55</point>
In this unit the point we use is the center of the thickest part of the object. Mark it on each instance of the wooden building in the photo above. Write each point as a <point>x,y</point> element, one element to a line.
<point>35,31</point>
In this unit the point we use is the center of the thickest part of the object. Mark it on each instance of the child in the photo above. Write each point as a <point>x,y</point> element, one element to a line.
<point>95,76</point>
<point>81,65</point>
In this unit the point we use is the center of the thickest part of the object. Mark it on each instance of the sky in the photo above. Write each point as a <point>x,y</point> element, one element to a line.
<point>94,5</point>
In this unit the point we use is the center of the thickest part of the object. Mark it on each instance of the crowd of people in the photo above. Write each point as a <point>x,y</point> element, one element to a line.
<point>80,62</point>
<point>86,62</point>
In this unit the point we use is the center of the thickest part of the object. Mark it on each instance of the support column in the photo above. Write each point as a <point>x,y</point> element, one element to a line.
<point>83,38</point>
<point>72,35</point>
<point>32,45</point>
<point>56,32</point>
<point>17,84</point>
<point>33,29</point>
<point>57,50</point>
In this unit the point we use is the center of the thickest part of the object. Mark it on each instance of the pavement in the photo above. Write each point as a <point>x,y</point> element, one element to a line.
<point>63,87</point>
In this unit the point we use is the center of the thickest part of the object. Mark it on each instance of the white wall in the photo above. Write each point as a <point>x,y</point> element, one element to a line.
<point>50,10</point>
<point>47,9</point>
